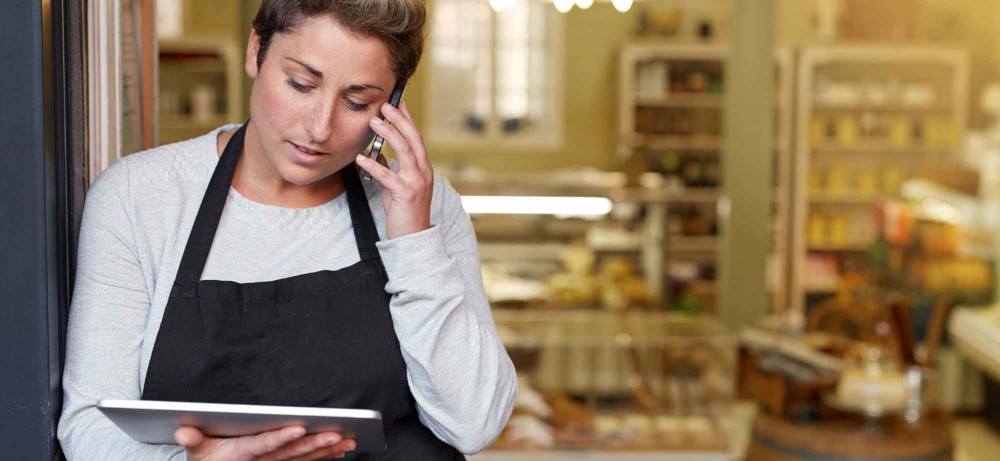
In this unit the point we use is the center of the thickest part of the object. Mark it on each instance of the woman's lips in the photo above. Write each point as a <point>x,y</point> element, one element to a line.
<point>305,155</point>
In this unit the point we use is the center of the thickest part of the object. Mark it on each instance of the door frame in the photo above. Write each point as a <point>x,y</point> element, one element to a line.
<point>43,163</point>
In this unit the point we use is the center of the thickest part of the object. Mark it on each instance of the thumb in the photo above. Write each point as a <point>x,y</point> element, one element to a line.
<point>188,437</point>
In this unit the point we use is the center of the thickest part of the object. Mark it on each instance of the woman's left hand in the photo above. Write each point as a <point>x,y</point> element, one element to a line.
<point>406,194</point>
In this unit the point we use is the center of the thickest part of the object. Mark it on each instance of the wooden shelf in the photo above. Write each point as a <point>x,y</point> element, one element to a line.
<point>178,120</point>
<point>685,244</point>
<point>693,195</point>
<point>681,100</point>
<point>677,142</point>
<point>848,248</point>
<point>922,153</point>
<point>831,199</point>
<point>936,108</point>
<point>710,288</point>
<point>828,285</point>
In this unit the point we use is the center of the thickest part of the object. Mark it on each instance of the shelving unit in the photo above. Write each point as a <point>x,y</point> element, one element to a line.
<point>670,116</point>
<point>867,119</point>
<point>187,64</point>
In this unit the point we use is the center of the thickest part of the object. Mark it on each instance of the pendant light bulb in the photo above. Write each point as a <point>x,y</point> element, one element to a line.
<point>563,6</point>
<point>584,4</point>
<point>622,5</point>
<point>501,5</point>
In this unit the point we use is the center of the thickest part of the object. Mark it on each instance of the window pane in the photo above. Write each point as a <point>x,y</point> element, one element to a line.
<point>512,61</point>
<point>459,47</point>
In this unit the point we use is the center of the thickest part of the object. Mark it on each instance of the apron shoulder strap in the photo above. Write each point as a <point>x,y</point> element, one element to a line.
<point>365,232</point>
<point>210,212</point>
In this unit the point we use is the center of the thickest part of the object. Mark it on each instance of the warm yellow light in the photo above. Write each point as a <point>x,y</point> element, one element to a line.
<point>557,206</point>
<point>622,5</point>
<point>563,6</point>
<point>584,4</point>
<point>501,5</point>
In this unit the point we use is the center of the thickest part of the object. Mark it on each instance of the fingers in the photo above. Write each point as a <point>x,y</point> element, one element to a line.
<point>390,132</point>
<point>385,177</point>
<point>405,110</point>
<point>404,125</point>
<point>188,437</point>
<point>265,443</point>
<point>304,446</point>
<point>335,451</point>
<point>422,157</point>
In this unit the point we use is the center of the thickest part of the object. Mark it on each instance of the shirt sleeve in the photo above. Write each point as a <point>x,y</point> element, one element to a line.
<point>458,370</point>
<point>107,318</point>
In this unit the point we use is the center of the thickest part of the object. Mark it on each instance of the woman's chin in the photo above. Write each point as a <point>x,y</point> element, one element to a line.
<point>302,176</point>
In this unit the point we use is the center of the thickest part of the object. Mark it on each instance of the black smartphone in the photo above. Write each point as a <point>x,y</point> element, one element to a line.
<point>376,150</point>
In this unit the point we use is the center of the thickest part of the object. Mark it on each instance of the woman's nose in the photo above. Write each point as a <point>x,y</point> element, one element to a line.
<point>319,121</point>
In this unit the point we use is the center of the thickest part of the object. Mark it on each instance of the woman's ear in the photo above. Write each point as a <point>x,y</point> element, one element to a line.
<point>253,47</point>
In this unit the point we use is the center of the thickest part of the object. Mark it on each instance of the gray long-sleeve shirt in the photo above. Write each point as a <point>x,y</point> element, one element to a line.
<point>136,222</point>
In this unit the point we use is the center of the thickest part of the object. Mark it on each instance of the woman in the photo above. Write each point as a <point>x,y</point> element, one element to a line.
<point>253,265</point>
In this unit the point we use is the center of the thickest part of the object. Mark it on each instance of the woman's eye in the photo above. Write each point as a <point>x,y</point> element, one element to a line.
<point>355,106</point>
<point>298,86</point>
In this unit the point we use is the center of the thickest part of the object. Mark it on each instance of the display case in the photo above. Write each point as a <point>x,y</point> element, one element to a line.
<point>670,122</point>
<point>868,119</point>
<point>630,383</point>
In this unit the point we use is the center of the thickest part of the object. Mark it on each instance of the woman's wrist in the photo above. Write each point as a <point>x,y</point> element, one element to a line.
<point>402,231</point>
<point>416,253</point>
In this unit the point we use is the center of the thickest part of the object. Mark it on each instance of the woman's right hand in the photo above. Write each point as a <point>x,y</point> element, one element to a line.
<point>289,443</point>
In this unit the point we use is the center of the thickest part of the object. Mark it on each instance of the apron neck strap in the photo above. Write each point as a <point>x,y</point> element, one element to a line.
<point>210,212</point>
<point>365,232</point>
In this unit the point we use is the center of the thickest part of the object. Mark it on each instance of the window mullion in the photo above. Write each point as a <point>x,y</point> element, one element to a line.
<point>493,126</point>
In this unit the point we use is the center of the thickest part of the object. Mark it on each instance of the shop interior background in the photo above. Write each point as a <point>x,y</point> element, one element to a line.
<point>666,191</point>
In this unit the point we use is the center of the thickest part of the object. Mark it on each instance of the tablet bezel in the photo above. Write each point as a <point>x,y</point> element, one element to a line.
<point>154,421</point>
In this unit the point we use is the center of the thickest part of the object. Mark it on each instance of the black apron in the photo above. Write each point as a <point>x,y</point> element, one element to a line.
<point>323,339</point>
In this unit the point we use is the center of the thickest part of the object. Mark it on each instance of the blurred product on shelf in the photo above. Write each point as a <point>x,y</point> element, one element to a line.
<point>615,286</point>
<point>882,132</point>
<point>577,285</point>
<point>503,287</point>
<point>870,120</point>
<point>661,23</point>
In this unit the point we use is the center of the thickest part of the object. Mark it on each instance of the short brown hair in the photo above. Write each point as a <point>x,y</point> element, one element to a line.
<point>398,23</point>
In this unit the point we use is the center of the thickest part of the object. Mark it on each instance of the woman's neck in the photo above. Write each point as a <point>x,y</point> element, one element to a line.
<point>256,178</point>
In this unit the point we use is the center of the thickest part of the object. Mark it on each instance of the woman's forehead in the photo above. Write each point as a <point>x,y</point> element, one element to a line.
<point>325,45</point>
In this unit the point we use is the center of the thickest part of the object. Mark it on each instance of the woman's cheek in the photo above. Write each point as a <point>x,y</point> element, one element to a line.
<point>281,107</point>
<point>359,132</point>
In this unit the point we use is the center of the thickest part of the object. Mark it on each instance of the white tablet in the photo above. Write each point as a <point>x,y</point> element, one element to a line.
<point>154,421</point>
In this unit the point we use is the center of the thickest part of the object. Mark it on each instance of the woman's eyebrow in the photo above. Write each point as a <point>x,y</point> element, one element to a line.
<point>311,69</point>
<point>353,88</point>
<point>356,87</point>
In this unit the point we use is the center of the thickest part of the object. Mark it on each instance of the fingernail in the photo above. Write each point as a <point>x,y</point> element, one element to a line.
<point>352,445</point>
<point>361,158</point>
<point>331,440</point>
<point>376,121</point>
<point>299,431</point>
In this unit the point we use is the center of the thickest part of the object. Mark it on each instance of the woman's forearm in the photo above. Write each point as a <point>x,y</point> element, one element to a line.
<point>458,370</point>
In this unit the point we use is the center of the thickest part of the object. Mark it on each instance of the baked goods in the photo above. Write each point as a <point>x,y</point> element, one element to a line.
<point>526,432</point>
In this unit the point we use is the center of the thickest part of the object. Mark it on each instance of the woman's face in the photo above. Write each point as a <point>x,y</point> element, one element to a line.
<point>314,95</point>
